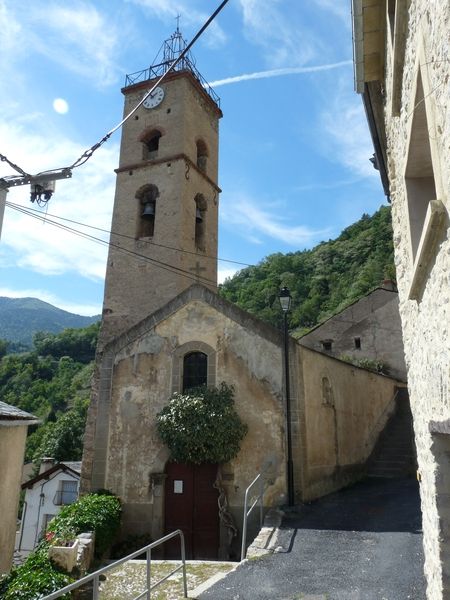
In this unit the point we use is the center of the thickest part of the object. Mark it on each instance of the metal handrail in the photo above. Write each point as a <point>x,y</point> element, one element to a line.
<point>95,577</point>
<point>259,499</point>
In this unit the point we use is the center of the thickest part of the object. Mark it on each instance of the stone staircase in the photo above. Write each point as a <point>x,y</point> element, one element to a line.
<point>394,454</point>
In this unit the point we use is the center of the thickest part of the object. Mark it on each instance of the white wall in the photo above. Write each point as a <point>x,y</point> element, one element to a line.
<point>39,501</point>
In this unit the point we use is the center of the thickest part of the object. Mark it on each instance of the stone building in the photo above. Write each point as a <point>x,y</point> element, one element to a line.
<point>164,327</point>
<point>402,70</point>
<point>369,330</point>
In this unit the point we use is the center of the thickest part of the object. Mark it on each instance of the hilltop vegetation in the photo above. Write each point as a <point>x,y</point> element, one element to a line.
<point>323,280</point>
<point>53,383</point>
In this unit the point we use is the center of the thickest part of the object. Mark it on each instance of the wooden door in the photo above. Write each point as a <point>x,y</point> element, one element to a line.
<point>191,505</point>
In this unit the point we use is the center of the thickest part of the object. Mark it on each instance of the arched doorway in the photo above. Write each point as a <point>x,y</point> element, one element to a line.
<point>191,505</point>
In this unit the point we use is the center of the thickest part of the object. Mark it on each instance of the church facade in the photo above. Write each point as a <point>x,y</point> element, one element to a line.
<point>165,326</point>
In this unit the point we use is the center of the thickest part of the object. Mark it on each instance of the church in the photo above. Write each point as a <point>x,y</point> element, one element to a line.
<point>164,329</point>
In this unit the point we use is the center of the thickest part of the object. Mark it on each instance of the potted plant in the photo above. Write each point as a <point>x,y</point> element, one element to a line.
<point>63,548</point>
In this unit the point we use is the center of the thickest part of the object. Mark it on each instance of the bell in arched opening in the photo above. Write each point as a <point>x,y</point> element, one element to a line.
<point>148,211</point>
<point>198,215</point>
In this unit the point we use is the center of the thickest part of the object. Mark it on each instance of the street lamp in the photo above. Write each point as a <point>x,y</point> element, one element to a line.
<point>285,299</point>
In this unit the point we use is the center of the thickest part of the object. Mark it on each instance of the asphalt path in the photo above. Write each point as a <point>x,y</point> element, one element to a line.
<point>362,543</point>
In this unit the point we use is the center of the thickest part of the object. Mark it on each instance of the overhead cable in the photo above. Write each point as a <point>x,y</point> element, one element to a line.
<point>4,158</point>
<point>90,151</point>
<point>130,237</point>
<point>155,262</point>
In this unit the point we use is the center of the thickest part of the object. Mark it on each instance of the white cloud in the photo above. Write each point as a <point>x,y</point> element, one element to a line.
<point>86,198</point>
<point>250,220</point>
<point>78,37</point>
<point>345,135</point>
<point>80,309</point>
<point>284,42</point>
<point>332,185</point>
<point>225,272</point>
<point>340,8</point>
<point>169,10</point>
<point>278,73</point>
<point>10,28</point>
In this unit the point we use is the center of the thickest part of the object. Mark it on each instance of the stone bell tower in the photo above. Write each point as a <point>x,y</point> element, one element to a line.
<point>164,224</point>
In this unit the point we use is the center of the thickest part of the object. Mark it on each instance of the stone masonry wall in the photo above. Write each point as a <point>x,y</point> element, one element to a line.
<point>135,380</point>
<point>425,320</point>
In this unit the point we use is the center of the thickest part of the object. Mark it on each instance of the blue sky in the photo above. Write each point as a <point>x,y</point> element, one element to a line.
<point>294,145</point>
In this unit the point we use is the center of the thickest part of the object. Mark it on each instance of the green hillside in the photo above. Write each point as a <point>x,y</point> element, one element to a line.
<point>53,383</point>
<point>21,318</point>
<point>321,280</point>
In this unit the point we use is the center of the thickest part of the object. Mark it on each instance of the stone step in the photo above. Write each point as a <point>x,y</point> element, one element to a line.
<point>394,454</point>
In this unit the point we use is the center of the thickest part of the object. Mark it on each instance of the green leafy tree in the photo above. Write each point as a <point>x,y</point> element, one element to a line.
<point>4,344</point>
<point>323,280</point>
<point>202,426</point>
<point>63,439</point>
<point>78,344</point>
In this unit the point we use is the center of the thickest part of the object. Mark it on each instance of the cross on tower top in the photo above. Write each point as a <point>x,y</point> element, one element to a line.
<point>177,18</point>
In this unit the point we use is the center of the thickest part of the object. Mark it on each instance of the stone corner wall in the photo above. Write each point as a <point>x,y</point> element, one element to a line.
<point>426,318</point>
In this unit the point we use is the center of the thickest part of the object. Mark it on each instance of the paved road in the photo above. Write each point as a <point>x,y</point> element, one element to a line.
<point>363,543</point>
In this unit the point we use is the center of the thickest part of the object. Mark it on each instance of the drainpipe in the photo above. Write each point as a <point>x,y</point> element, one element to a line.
<point>22,525</point>
<point>41,501</point>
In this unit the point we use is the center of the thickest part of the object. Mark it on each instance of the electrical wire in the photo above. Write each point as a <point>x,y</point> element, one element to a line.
<point>165,266</point>
<point>130,237</point>
<point>90,151</point>
<point>4,158</point>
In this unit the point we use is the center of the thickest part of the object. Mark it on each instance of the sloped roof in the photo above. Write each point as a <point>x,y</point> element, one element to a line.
<point>12,413</point>
<point>357,301</point>
<point>68,467</point>
<point>197,292</point>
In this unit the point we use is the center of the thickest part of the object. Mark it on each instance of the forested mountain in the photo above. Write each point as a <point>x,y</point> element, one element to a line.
<point>53,383</point>
<point>322,280</point>
<point>21,318</point>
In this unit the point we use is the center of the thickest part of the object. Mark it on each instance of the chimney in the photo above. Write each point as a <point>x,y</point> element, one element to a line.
<point>46,464</point>
<point>389,284</point>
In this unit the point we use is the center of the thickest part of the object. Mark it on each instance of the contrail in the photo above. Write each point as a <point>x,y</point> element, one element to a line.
<point>279,73</point>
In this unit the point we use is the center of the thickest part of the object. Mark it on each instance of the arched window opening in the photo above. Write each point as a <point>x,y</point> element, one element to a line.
<point>200,210</point>
<point>147,196</point>
<point>202,155</point>
<point>327,392</point>
<point>195,370</point>
<point>151,145</point>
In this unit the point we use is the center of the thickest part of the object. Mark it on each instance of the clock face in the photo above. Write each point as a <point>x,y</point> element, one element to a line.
<point>154,99</point>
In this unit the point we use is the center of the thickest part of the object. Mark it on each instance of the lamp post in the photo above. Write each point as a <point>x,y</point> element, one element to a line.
<point>285,303</point>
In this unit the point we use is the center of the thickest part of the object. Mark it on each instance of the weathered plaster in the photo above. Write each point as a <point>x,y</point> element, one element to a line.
<point>344,419</point>
<point>12,449</point>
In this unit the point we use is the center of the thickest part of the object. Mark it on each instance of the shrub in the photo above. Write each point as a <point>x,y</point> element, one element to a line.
<point>36,578</point>
<point>94,512</point>
<point>365,363</point>
<point>202,426</point>
<point>39,576</point>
